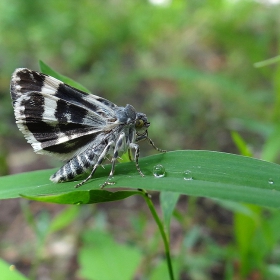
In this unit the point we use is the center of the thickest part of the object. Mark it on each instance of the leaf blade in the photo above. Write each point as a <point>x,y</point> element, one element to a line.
<point>168,201</point>
<point>49,71</point>
<point>214,174</point>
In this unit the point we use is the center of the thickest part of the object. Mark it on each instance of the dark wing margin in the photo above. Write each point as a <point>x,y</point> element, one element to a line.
<point>25,80</point>
<point>56,118</point>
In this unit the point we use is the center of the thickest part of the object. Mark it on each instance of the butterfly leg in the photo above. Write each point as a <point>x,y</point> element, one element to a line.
<point>155,147</point>
<point>136,156</point>
<point>119,144</point>
<point>145,137</point>
<point>98,163</point>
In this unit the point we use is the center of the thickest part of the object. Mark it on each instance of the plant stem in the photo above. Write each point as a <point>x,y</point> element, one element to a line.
<point>162,232</point>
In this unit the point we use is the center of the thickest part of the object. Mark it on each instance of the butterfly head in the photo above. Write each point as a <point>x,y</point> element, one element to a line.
<point>141,122</point>
<point>127,115</point>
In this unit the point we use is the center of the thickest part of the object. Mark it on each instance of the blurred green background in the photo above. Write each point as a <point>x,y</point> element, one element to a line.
<point>189,65</point>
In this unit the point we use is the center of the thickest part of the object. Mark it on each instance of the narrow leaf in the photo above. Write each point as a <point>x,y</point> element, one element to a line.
<point>63,219</point>
<point>49,71</point>
<point>84,197</point>
<point>210,174</point>
<point>168,201</point>
<point>241,144</point>
<point>271,148</point>
<point>267,62</point>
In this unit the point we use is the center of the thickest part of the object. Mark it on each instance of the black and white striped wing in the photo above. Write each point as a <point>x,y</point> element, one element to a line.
<point>55,118</point>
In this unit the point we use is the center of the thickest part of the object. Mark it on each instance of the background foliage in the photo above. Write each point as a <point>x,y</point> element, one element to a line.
<point>189,65</point>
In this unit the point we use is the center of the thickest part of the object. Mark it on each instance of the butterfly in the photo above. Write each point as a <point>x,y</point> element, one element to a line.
<point>80,128</point>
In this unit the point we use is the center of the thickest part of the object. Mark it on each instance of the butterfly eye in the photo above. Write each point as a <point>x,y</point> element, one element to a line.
<point>139,123</point>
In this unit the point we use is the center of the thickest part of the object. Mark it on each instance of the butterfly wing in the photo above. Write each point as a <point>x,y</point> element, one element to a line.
<point>56,118</point>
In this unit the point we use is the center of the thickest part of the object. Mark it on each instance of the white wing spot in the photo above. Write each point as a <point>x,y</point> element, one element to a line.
<point>49,110</point>
<point>50,85</point>
<point>18,87</point>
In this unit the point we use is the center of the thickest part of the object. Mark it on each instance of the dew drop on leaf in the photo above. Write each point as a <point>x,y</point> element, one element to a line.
<point>188,175</point>
<point>270,181</point>
<point>159,171</point>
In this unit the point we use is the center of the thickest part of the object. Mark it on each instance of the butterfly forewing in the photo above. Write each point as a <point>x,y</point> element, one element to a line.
<point>54,117</point>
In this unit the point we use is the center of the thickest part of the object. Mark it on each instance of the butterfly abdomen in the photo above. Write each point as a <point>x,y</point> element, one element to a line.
<point>78,165</point>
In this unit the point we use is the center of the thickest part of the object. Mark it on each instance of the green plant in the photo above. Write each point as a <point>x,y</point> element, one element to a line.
<point>196,173</point>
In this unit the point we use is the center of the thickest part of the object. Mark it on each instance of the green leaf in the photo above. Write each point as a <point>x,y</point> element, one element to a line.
<point>236,207</point>
<point>241,144</point>
<point>84,197</point>
<point>245,228</point>
<point>102,258</point>
<point>8,272</point>
<point>63,219</point>
<point>49,71</point>
<point>168,201</point>
<point>271,147</point>
<point>275,59</point>
<point>213,174</point>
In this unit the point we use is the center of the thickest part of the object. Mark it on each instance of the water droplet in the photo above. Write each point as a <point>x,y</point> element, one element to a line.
<point>270,181</point>
<point>188,175</point>
<point>111,181</point>
<point>159,171</point>
<point>78,203</point>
